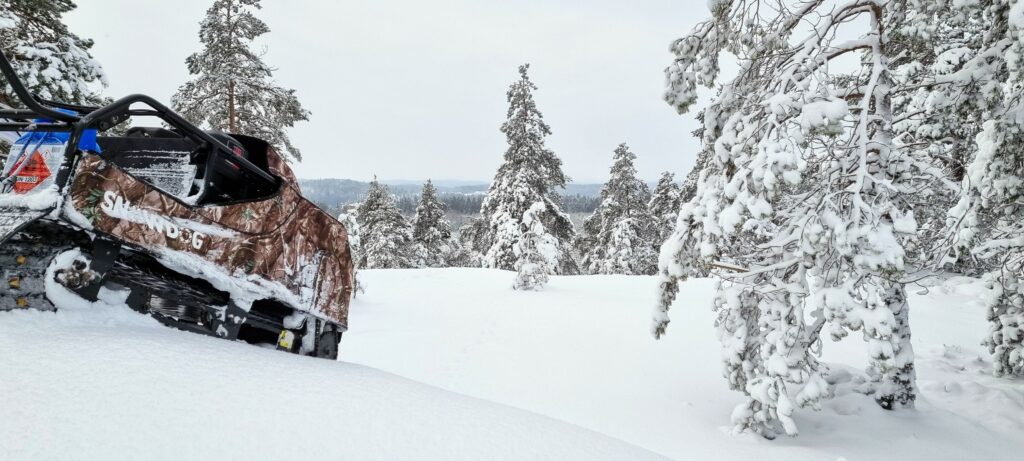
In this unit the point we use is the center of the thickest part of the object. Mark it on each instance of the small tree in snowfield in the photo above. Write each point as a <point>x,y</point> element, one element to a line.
<point>431,232</point>
<point>536,251</point>
<point>530,173</point>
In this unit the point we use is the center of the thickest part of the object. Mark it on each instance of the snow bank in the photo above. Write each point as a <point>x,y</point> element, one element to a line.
<point>581,351</point>
<point>102,382</point>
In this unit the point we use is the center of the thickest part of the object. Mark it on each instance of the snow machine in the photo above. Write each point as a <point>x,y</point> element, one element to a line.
<point>204,231</point>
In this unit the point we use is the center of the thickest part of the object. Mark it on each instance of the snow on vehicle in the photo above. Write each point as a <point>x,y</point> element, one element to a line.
<point>206,232</point>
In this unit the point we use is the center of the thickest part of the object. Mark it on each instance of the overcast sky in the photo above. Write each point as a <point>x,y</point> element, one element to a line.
<point>411,89</point>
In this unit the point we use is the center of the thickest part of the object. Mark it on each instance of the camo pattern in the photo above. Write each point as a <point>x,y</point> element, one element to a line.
<point>284,240</point>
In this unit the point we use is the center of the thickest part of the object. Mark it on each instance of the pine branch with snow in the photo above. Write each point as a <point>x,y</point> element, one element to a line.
<point>50,60</point>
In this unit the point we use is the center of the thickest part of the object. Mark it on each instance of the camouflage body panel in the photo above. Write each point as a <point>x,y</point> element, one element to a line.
<point>284,242</point>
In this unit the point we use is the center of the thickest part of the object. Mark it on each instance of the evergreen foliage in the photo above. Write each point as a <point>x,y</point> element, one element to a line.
<point>349,219</point>
<point>536,251</point>
<point>431,232</point>
<point>232,89</point>
<point>618,237</point>
<point>53,62</point>
<point>385,235</point>
<point>530,173</point>
<point>664,207</point>
<point>808,190</point>
<point>971,107</point>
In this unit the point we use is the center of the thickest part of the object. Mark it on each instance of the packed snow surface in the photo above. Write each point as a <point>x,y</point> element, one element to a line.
<point>581,351</point>
<point>102,382</point>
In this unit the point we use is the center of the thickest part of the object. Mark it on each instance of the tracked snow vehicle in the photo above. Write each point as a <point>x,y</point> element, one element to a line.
<point>205,231</point>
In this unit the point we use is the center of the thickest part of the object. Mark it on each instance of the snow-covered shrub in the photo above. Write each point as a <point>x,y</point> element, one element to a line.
<point>536,251</point>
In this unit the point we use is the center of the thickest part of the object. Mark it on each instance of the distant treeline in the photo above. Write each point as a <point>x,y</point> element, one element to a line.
<point>470,203</point>
<point>333,194</point>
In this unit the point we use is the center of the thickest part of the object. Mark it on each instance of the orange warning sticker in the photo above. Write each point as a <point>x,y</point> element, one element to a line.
<point>33,175</point>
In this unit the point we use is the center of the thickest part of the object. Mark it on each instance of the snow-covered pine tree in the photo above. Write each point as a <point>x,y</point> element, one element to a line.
<point>618,235</point>
<point>349,218</point>
<point>530,173</point>
<point>806,190</point>
<point>232,89</point>
<point>949,92</point>
<point>385,235</point>
<point>536,251</point>
<point>53,62</point>
<point>431,232</point>
<point>985,75</point>
<point>664,207</point>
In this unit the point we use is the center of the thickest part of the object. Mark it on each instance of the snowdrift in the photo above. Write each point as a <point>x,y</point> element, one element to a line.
<point>581,352</point>
<point>102,382</point>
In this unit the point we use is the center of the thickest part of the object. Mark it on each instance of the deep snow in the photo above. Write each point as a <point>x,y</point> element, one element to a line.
<point>581,351</point>
<point>102,382</point>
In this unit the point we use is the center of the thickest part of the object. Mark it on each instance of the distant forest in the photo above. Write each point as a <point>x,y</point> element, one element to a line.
<point>333,194</point>
<point>470,203</point>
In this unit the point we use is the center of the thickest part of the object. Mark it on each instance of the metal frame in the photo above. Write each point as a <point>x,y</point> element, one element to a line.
<point>104,118</point>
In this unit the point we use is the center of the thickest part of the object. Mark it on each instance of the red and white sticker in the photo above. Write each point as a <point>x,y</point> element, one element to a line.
<point>34,174</point>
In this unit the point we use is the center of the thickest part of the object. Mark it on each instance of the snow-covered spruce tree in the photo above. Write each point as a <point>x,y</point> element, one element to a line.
<point>805,189</point>
<point>617,237</point>
<point>536,251</point>
<point>431,232</point>
<point>530,173</point>
<point>385,235</point>
<point>349,218</point>
<point>53,62</point>
<point>232,89</point>
<point>664,207</point>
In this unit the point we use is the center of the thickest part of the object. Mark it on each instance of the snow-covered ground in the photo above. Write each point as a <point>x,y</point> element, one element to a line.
<point>580,351</point>
<point>101,382</point>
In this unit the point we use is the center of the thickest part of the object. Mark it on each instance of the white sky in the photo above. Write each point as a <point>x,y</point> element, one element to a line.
<point>409,89</point>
